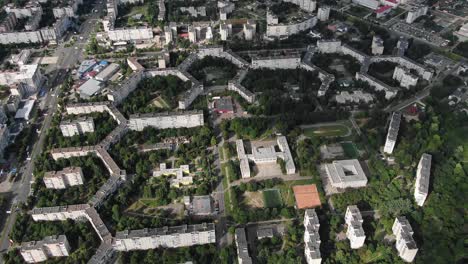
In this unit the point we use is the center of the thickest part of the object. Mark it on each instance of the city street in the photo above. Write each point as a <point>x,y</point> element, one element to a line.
<point>68,57</point>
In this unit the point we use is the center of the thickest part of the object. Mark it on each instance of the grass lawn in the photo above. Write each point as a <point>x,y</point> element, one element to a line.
<point>272,198</point>
<point>350,150</point>
<point>327,131</point>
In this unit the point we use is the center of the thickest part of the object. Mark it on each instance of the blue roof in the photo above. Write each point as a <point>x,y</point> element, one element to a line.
<point>103,62</point>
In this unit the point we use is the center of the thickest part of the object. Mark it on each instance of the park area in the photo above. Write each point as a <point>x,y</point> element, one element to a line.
<point>327,130</point>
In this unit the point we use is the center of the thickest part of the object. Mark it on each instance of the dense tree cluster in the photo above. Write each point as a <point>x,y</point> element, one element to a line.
<point>287,249</point>
<point>81,236</point>
<point>204,254</point>
<point>213,70</point>
<point>94,174</point>
<point>166,87</point>
<point>462,49</point>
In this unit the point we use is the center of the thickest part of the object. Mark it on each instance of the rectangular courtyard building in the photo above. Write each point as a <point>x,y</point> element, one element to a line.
<point>392,133</point>
<point>405,244</point>
<point>69,176</point>
<point>38,251</point>
<point>355,233</point>
<point>344,174</point>
<point>423,175</point>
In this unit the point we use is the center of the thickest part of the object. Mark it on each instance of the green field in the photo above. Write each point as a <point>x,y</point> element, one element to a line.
<point>272,198</point>
<point>350,150</point>
<point>327,131</point>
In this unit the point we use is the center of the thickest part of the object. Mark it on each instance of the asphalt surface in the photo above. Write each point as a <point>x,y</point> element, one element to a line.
<point>68,57</point>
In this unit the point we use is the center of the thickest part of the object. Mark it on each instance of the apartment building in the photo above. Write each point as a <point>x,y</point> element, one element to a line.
<point>372,4</point>
<point>59,213</point>
<point>416,12</point>
<point>166,120</point>
<point>392,133</point>
<point>423,174</point>
<point>168,237</point>
<point>49,247</point>
<point>354,221</point>
<point>242,246</point>
<point>8,23</point>
<point>312,237</point>
<point>29,74</point>
<point>377,46</point>
<point>69,176</point>
<point>78,126</point>
<point>291,61</point>
<point>4,134</point>
<point>405,244</point>
<point>285,30</point>
<point>323,13</point>
<point>118,92</point>
<point>405,77</point>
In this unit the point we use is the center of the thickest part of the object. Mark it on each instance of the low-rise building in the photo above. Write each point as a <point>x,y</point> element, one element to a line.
<point>405,244</point>
<point>377,45</point>
<point>354,221</point>
<point>69,176</point>
<point>242,246</point>
<point>108,72</point>
<point>392,133</point>
<point>78,126</point>
<point>331,151</point>
<point>180,179</point>
<point>372,4</point>
<point>344,174</point>
<point>423,174</point>
<point>264,233</point>
<point>49,247</point>
<point>167,237</point>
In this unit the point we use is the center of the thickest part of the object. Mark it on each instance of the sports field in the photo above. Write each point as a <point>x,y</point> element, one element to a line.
<point>335,130</point>
<point>272,198</point>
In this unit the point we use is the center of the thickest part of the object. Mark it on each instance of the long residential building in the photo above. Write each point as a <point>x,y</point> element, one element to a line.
<point>242,246</point>
<point>69,176</point>
<point>355,232</point>
<point>312,237</point>
<point>392,133</point>
<point>29,74</point>
<point>405,244</point>
<point>423,175</point>
<point>166,120</point>
<point>49,247</point>
<point>168,237</point>
<point>59,213</point>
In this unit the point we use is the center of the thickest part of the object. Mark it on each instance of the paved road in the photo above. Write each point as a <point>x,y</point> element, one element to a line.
<point>67,58</point>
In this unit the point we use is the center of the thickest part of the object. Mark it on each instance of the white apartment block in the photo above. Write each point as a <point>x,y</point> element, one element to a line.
<point>405,77</point>
<point>306,5</point>
<point>277,62</point>
<point>29,74</point>
<point>416,12</point>
<point>265,153</point>
<point>354,221</point>
<point>167,237</point>
<point>69,176</point>
<point>378,85</point>
<point>329,46</point>
<point>225,30</point>
<point>392,133</point>
<point>249,29</point>
<point>49,247</point>
<point>242,246</point>
<point>312,237</point>
<point>4,133</point>
<point>59,213</point>
<point>346,174</point>
<point>285,30</point>
<point>377,46</point>
<point>130,34</point>
<point>180,179</point>
<point>79,126</point>
<point>405,244</point>
<point>24,12</point>
<point>355,97</point>
<point>67,10</point>
<point>423,175</point>
<point>166,120</point>
<point>372,4</point>
<point>323,13</point>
